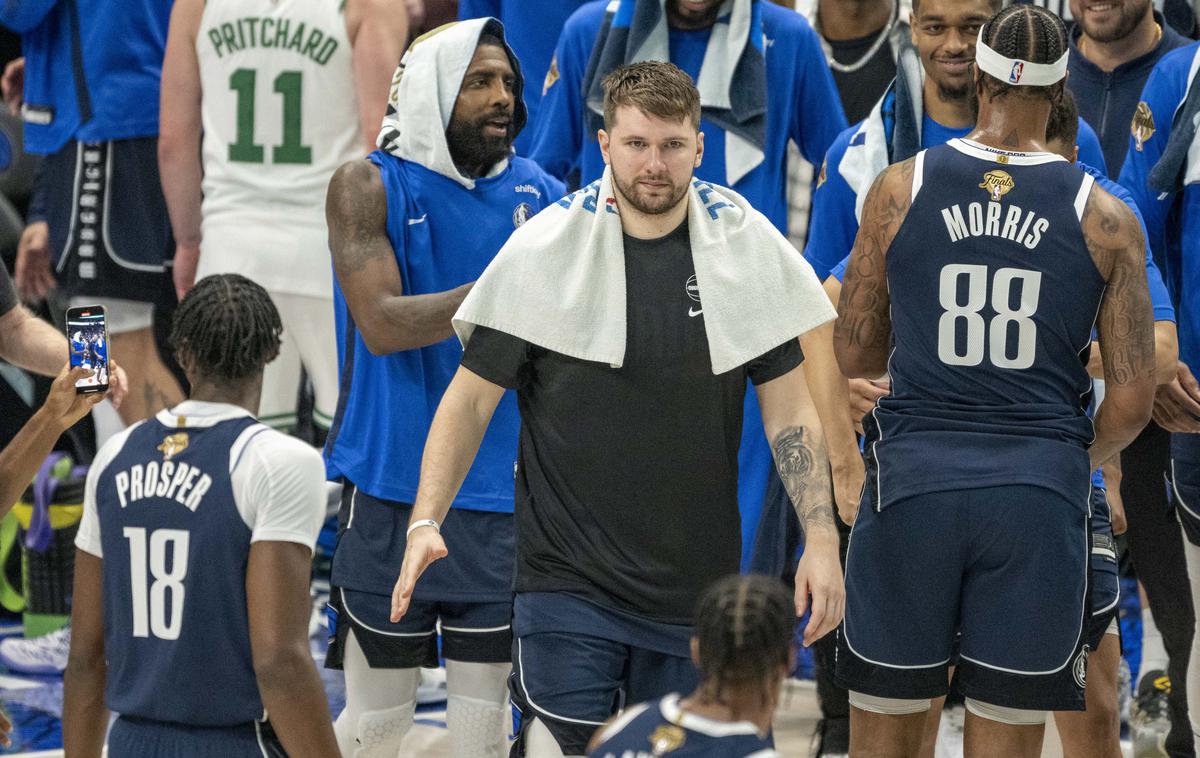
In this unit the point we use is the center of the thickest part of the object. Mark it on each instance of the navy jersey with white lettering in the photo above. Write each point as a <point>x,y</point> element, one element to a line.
<point>665,729</point>
<point>993,298</point>
<point>175,550</point>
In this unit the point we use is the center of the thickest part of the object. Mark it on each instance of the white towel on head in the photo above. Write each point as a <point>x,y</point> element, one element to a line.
<point>424,90</point>
<point>559,281</point>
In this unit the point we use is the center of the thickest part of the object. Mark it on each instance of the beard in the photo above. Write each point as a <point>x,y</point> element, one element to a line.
<point>1131,13</point>
<point>642,202</point>
<point>470,147</point>
<point>952,92</point>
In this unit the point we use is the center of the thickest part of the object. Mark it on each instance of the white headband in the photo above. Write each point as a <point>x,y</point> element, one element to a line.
<point>1015,71</point>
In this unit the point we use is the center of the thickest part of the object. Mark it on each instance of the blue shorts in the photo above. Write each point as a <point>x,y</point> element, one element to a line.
<point>108,220</point>
<point>1185,483</point>
<point>372,535</point>
<point>1006,567</point>
<point>470,632</point>
<point>143,738</point>
<point>575,664</point>
<point>469,591</point>
<point>1105,587</point>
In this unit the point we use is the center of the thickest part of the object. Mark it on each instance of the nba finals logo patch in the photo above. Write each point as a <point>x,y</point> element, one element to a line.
<point>1014,76</point>
<point>1142,127</point>
<point>667,738</point>
<point>997,183</point>
<point>173,444</point>
<point>521,214</point>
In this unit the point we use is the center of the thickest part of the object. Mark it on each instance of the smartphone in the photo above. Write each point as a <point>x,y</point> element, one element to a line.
<point>87,346</point>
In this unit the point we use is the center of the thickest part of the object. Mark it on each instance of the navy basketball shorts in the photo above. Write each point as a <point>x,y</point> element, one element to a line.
<point>1105,580</point>
<point>109,227</point>
<point>466,596</point>
<point>1185,483</point>
<point>576,664</point>
<point>1005,567</point>
<point>143,738</point>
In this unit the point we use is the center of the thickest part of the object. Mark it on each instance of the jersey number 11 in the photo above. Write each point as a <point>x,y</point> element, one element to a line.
<point>289,84</point>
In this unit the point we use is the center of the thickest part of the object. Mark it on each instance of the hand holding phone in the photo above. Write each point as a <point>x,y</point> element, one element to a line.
<point>87,346</point>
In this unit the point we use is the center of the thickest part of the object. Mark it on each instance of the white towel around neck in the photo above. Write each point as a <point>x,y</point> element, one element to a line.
<point>559,281</point>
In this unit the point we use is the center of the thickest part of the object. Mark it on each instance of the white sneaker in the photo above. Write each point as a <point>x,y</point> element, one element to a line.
<point>432,688</point>
<point>45,655</point>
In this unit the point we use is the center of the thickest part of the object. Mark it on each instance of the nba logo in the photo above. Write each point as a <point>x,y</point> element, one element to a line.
<point>1014,76</point>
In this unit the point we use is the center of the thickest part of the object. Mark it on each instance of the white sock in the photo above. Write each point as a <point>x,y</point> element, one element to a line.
<point>1154,655</point>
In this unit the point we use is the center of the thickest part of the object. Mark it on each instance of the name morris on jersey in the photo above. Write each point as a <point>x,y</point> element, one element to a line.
<point>991,220</point>
<point>174,480</point>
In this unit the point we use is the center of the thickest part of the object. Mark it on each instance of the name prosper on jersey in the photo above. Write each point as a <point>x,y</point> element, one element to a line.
<point>170,479</point>
<point>272,33</point>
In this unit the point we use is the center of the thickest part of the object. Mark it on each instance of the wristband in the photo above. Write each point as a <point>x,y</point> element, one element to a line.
<point>423,522</point>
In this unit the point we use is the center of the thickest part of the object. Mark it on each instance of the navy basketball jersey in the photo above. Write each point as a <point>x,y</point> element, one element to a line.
<point>665,729</point>
<point>993,298</point>
<point>175,551</point>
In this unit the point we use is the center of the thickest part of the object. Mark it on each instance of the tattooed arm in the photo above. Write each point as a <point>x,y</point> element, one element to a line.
<point>798,444</point>
<point>365,265</point>
<point>1125,324</point>
<point>863,331</point>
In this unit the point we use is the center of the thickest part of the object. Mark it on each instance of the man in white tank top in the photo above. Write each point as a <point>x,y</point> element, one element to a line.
<point>283,92</point>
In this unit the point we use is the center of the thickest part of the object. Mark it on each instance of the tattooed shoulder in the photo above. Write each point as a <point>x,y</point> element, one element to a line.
<point>356,212</point>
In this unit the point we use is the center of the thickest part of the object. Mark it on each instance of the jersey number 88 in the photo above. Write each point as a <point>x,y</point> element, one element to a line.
<point>996,334</point>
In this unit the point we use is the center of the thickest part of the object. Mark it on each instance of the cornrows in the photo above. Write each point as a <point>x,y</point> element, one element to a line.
<point>744,625</point>
<point>1026,32</point>
<point>228,326</point>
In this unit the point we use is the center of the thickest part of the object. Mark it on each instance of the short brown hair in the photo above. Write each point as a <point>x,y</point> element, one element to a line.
<point>656,88</point>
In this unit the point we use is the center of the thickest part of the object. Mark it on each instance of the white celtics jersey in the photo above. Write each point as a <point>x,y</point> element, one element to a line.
<point>279,116</point>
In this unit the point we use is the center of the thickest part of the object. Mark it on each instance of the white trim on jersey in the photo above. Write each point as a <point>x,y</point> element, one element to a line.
<point>1081,197</point>
<point>540,709</point>
<point>706,726</point>
<point>463,630</point>
<point>918,175</point>
<point>622,721</point>
<point>386,633</point>
<point>984,152</point>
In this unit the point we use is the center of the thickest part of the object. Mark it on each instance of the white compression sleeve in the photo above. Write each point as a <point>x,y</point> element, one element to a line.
<point>1192,553</point>
<point>477,712</point>
<point>379,706</point>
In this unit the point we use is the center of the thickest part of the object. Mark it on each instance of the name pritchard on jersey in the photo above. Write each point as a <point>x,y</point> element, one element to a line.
<point>174,480</point>
<point>277,33</point>
<point>1025,227</point>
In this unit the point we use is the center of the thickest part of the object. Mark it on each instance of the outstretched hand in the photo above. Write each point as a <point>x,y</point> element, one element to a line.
<point>64,406</point>
<point>820,575</point>
<point>425,545</point>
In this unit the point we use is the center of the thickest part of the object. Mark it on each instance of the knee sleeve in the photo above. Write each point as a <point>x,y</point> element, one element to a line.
<point>381,732</point>
<point>888,706</point>
<point>1012,716</point>
<point>477,713</point>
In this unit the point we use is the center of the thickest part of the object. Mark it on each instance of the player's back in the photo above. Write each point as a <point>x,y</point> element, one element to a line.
<point>663,728</point>
<point>993,297</point>
<point>278,108</point>
<point>175,550</point>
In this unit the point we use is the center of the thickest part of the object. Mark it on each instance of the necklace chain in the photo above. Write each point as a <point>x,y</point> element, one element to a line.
<point>850,68</point>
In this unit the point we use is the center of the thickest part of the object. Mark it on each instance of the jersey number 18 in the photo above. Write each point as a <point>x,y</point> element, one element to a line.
<point>996,335</point>
<point>150,602</point>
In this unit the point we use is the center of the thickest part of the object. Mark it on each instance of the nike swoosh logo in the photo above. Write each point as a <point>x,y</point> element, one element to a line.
<point>420,220</point>
<point>694,312</point>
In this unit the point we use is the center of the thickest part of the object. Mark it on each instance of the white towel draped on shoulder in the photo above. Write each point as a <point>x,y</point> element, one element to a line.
<point>559,281</point>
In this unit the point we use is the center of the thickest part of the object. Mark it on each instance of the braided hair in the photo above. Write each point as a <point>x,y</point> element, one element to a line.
<point>1027,32</point>
<point>745,626</point>
<point>227,327</point>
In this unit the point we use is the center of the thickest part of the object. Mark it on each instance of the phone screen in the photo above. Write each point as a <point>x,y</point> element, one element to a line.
<point>87,338</point>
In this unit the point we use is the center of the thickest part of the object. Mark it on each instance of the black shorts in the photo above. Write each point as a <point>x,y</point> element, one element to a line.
<point>470,632</point>
<point>1007,567</point>
<point>109,227</point>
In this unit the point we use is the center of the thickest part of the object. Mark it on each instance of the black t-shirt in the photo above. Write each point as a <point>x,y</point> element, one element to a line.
<point>861,89</point>
<point>626,488</point>
<point>8,293</point>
